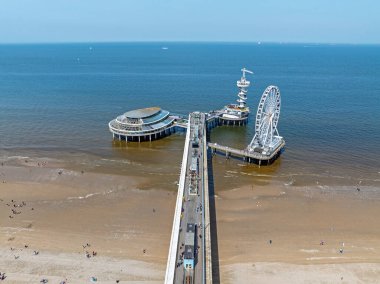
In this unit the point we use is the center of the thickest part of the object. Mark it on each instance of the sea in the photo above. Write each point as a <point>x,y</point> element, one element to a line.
<point>56,101</point>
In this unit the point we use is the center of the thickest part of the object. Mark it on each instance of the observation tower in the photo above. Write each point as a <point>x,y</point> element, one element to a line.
<point>237,114</point>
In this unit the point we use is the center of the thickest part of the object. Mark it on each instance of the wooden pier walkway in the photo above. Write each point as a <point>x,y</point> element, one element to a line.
<point>189,259</point>
<point>246,155</point>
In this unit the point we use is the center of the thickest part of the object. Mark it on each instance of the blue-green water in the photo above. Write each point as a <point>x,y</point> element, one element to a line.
<point>59,99</point>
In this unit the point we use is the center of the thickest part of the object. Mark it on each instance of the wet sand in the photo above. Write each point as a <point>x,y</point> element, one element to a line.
<point>120,216</point>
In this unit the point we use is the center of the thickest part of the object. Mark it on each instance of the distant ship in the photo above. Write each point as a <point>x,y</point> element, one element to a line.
<point>238,113</point>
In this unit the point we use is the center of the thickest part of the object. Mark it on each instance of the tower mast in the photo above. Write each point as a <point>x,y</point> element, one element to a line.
<point>243,84</point>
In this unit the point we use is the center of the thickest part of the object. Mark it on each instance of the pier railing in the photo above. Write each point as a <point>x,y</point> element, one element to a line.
<point>171,264</point>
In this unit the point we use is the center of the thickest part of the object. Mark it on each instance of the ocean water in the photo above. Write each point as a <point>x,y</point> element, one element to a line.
<point>56,101</point>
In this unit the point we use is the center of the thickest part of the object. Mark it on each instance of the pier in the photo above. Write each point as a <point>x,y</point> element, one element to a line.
<point>190,252</point>
<point>193,251</point>
<point>247,155</point>
<point>189,259</point>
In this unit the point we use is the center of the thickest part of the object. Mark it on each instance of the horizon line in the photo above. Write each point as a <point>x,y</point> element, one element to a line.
<point>185,41</point>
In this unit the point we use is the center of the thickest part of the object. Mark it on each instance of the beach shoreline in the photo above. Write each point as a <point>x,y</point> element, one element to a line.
<point>130,227</point>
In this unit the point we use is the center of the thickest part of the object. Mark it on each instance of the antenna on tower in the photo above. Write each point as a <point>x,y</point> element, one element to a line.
<point>246,70</point>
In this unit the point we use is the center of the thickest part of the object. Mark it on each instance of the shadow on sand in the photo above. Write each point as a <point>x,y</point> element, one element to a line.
<point>213,224</point>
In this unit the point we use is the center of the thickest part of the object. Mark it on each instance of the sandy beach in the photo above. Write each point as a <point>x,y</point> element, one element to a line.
<point>62,214</point>
<point>58,211</point>
<point>284,234</point>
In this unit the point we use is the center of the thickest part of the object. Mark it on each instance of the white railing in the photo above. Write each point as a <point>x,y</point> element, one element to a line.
<point>127,132</point>
<point>171,264</point>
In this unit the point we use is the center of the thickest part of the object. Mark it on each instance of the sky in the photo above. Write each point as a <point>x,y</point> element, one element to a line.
<point>312,21</point>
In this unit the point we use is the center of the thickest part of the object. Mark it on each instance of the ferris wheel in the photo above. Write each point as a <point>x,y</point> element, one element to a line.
<point>266,133</point>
